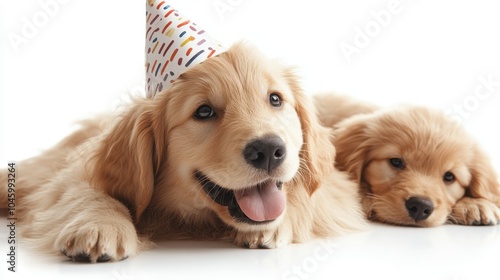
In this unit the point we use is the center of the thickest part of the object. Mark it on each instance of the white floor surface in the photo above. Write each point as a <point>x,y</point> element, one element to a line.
<point>448,252</point>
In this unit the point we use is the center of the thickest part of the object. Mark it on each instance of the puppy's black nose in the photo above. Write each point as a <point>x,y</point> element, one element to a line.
<point>419,208</point>
<point>265,153</point>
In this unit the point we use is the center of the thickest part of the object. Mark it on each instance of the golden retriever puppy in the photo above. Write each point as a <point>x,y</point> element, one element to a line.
<point>414,165</point>
<point>232,150</point>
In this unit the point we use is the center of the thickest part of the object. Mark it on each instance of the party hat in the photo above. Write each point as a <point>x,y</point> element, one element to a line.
<point>173,44</point>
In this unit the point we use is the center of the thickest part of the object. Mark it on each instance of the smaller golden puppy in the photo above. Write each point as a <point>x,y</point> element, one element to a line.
<point>414,165</point>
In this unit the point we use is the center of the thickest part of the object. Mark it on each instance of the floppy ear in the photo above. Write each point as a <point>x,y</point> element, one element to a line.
<point>317,154</point>
<point>351,142</point>
<point>484,182</point>
<point>129,156</point>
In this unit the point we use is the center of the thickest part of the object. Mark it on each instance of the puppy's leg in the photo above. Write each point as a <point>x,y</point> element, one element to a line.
<point>82,223</point>
<point>475,211</point>
<point>266,239</point>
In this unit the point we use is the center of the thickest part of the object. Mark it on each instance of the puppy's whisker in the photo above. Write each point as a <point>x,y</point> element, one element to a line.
<point>303,168</point>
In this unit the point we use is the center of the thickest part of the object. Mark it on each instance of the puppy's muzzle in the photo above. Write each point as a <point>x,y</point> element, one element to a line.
<point>266,153</point>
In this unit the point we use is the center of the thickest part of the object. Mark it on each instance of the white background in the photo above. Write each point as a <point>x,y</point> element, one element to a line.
<point>84,57</point>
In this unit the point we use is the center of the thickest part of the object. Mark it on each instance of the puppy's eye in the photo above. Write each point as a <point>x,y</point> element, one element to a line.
<point>449,177</point>
<point>204,112</point>
<point>397,162</point>
<point>275,100</point>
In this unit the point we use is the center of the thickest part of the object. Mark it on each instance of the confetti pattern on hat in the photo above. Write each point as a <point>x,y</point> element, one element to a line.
<point>173,44</point>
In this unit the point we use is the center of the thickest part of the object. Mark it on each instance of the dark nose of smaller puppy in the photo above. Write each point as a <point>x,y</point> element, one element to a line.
<point>265,153</point>
<point>419,208</point>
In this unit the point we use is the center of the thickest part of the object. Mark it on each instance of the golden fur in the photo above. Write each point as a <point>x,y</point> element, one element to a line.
<point>118,182</point>
<point>429,144</point>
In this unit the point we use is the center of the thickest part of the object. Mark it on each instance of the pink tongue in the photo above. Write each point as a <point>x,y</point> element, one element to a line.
<point>261,203</point>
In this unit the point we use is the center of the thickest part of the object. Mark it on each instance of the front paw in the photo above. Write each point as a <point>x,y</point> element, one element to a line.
<point>475,211</point>
<point>98,240</point>
<point>268,239</point>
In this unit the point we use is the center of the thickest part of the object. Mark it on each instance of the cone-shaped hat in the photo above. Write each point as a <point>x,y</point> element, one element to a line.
<point>173,44</point>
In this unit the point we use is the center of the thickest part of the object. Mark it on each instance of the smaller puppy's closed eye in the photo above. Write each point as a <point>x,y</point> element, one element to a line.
<point>397,163</point>
<point>449,177</point>
<point>204,112</point>
<point>275,100</point>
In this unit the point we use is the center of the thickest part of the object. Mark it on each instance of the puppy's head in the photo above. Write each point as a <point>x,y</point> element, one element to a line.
<point>240,131</point>
<point>413,165</point>
<point>230,136</point>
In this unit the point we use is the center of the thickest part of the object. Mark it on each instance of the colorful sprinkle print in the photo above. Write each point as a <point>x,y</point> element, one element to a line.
<point>173,44</point>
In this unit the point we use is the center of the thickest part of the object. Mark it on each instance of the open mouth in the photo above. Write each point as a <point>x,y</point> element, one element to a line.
<point>259,204</point>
